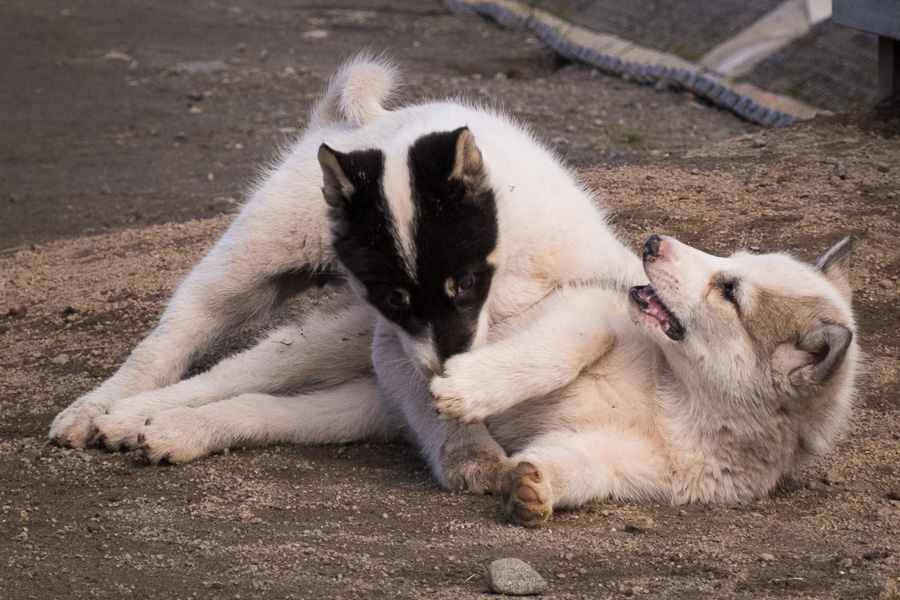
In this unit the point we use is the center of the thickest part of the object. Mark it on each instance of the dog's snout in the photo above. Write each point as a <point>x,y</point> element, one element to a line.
<point>651,248</point>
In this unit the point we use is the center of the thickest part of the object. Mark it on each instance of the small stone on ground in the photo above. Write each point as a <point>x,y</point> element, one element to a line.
<point>514,577</point>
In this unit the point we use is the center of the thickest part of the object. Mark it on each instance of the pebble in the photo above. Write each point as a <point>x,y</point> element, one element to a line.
<point>62,359</point>
<point>514,577</point>
<point>113,55</point>
<point>883,167</point>
<point>315,34</point>
<point>18,311</point>
<point>886,284</point>
<point>833,478</point>
<point>839,171</point>
<point>199,66</point>
<point>639,525</point>
<point>765,556</point>
<point>889,591</point>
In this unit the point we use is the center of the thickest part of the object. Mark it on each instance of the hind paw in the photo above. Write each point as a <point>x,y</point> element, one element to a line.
<point>526,495</point>
<point>474,469</point>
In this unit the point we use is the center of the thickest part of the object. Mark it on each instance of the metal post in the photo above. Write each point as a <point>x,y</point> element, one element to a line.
<point>888,67</point>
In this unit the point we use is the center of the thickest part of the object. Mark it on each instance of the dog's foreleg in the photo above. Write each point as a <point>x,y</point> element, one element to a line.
<point>462,457</point>
<point>278,245</point>
<point>545,356</point>
<point>345,413</point>
<point>328,348</point>
<point>566,469</point>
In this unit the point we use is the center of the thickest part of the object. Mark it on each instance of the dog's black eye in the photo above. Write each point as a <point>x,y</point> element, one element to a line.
<point>729,291</point>
<point>396,299</point>
<point>465,283</point>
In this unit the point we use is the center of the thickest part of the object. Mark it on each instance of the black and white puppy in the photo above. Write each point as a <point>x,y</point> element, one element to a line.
<point>441,221</point>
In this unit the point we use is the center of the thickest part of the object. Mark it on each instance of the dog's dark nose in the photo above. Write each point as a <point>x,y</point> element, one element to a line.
<point>651,248</point>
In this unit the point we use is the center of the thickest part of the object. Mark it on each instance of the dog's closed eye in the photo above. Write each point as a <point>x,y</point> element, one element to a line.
<point>729,292</point>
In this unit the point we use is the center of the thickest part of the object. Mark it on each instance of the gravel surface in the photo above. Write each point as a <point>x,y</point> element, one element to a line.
<point>81,283</point>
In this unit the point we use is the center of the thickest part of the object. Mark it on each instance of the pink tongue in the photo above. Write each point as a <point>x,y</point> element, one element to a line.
<point>657,311</point>
<point>654,306</point>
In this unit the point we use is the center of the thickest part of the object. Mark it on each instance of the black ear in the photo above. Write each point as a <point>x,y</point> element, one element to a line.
<point>835,264</point>
<point>445,156</point>
<point>822,351</point>
<point>337,187</point>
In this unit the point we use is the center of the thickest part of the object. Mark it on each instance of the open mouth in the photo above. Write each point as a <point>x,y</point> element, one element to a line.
<point>644,296</point>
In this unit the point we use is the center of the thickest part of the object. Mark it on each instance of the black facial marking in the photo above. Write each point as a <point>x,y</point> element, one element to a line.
<point>362,231</point>
<point>455,231</point>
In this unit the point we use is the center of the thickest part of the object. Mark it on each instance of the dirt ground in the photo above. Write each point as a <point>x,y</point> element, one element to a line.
<point>366,520</point>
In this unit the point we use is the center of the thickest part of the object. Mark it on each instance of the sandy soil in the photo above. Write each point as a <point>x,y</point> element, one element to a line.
<point>367,521</point>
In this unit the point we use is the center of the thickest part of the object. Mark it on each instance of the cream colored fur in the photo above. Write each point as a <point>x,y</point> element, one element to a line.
<point>619,409</point>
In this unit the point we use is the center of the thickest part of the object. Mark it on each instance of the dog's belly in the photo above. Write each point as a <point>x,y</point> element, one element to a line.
<point>592,402</point>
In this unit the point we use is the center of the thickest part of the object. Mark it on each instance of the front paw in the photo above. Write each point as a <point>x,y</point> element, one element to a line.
<point>176,436</point>
<point>459,395</point>
<point>75,426</point>
<point>118,429</point>
<point>473,469</point>
<point>451,403</point>
<point>526,495</point>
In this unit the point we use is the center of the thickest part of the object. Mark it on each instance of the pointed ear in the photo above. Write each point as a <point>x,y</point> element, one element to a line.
<point>337,187</point>
<point>819,354</point>
<point>467,164</point>
<point>835,264</point>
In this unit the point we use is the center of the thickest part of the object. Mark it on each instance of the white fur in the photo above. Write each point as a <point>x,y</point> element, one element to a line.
<point>629,413</point>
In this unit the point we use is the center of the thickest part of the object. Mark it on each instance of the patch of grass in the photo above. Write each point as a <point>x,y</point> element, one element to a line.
<point>557,10</point>
<point>795,90</point>
<point>627,136</point>
<point>687,52</point>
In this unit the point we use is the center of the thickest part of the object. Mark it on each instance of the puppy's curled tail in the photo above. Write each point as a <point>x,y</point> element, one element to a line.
<point>357,93</point>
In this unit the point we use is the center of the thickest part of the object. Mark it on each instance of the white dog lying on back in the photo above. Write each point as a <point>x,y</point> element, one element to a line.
<point>450,232</point>
<point>711,384</point>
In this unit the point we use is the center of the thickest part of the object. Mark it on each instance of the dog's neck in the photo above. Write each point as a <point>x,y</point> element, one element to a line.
<point>736,438</point>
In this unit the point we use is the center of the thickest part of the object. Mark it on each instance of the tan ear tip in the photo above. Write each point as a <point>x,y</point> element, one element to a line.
<point>325,150</point>
<point>465,137</point>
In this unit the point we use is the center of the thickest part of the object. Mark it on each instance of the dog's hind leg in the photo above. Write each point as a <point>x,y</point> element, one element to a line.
<point>326,349</point>
<point>566,469</point>
<point>345,413</point>
<point>462,457</point>
<point>278,245</point>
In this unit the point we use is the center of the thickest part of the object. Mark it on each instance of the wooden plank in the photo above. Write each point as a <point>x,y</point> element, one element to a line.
<point>875,16</point>
<point>888,67</point>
